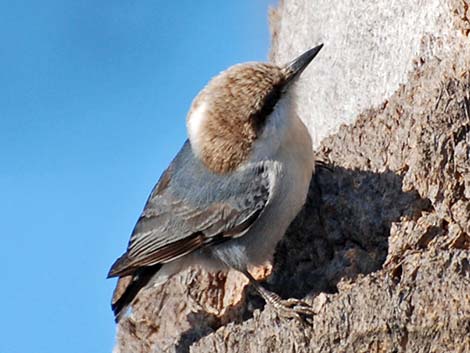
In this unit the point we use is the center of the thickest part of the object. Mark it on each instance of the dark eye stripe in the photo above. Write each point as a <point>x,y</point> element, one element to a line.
<point>259,117</point>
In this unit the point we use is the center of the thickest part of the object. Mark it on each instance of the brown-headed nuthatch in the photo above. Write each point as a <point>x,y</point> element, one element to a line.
<point>232,190</point>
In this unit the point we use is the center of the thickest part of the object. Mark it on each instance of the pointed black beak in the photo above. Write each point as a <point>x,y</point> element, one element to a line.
<point>297,66</point>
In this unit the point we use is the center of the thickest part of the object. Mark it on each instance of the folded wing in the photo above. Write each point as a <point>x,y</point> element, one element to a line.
<point>191,208</point>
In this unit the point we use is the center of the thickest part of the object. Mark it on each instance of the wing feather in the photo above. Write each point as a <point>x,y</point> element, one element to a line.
<point>194,208</point>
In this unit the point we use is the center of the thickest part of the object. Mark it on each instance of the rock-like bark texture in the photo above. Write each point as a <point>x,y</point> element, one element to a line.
<point>381,249</point>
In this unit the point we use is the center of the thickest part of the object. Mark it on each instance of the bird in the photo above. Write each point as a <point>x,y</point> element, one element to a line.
<point>228,196</point>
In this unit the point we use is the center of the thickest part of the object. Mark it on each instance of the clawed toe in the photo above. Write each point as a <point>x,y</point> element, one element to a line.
<point>293,309</point>
<point>285,308</point>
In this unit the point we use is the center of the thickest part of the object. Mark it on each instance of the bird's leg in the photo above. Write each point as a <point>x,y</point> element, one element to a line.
<point>287,308</point>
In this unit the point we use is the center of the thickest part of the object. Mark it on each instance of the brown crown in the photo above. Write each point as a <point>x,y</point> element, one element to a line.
<point>237,102</point>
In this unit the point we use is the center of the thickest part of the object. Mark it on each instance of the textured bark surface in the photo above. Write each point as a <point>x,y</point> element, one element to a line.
<point>381,249</point>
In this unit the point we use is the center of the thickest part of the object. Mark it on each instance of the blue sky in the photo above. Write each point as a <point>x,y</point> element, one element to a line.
<point>93,99</point>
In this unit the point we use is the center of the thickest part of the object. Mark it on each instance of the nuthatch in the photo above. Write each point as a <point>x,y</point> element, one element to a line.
<point>232,190</point>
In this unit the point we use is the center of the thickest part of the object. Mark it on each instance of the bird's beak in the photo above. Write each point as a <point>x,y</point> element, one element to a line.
<point>297,66</point>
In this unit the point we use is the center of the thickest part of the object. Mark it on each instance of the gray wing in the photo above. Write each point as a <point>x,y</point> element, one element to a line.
<point>191,207</point>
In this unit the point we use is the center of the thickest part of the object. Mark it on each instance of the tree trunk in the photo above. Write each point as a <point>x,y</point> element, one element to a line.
<point>381,249</point>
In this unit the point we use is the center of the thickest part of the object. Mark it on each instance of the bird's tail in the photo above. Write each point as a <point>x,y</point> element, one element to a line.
<point>128,287</point>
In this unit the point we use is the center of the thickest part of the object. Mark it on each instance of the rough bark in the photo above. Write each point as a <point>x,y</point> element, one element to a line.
<point>381,249</point>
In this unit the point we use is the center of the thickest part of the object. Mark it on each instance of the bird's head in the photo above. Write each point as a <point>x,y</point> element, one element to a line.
<point>235,110</point>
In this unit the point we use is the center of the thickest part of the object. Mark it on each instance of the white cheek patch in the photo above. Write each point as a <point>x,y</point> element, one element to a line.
<point>195,124</point>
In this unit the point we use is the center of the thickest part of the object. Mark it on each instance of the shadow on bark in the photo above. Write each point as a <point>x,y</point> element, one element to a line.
<point>211,323</point>
<point>342,231</point>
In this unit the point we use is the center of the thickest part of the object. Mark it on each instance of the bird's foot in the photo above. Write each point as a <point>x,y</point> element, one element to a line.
<point>285,308</point>
<point>291,308</point>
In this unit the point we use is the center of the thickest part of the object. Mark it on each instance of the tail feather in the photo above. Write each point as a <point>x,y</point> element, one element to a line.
<point>128,287</point>
<point>121,267</point>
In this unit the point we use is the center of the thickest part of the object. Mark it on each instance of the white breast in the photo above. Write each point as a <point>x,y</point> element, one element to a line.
<point>294,161</point>
<point>297,160</point>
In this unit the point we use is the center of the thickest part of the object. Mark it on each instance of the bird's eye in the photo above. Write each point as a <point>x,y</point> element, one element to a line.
<point>267,107</point>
